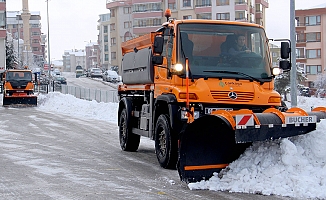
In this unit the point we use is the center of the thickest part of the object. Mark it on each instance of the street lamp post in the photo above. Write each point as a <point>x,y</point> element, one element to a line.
<point>293,80</point>
<point>49,59</point>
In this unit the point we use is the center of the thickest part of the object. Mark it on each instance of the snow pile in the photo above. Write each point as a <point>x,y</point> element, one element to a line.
<point>69,105</point>
<point>290,167</point>
<point>294,167</point>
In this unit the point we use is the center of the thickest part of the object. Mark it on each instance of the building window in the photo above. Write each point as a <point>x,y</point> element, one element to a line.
<point>203,3</point>
<point>313,69</point>
<point>240,2</point>
<point>259,7</point>
<point>127,24</point>
<point>148,7</point>
<point>222,2</point>
<point>223,16</point>
<point>312,20</point>
<point>112,27</point>
<point>113,55</point>
<point>106,47</point>
<point>35,49</point>
<point>35,26</point>
<point>35,33</point>
<point>126,10</point>
<point>300,52</point>
<point>106,39</point>
<point>313,53</point>
<point>112,12</point>
<point>313,37</point>
<point>113,41</point>
<point>186,3</point>
<point>274,54</point>
<point>147,22</point>
<point>172,6</point>
<point>300,37</point>
<point>105,29</point>
<point>106,57</point>
<point>2,19</point>
<point>35,41</point>
<point>204,16</point>
<point>187,17</point>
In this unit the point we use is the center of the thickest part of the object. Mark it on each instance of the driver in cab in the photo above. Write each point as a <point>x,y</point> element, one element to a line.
<point>239,46</point>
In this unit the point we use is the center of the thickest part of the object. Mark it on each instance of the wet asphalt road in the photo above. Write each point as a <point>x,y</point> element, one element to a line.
<point>53,156</point>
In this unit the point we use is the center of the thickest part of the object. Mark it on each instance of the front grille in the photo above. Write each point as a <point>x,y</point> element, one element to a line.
<point>224,96</point>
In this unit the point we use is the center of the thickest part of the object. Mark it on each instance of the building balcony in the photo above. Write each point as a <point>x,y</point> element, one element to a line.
<point>117,3</point>
<point>241,7</point>
<point>243,19</point>
<point>259,16</point>
<point>263,2</point>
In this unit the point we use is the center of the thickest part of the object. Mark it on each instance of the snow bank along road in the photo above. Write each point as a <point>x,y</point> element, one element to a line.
<point>52,156</point>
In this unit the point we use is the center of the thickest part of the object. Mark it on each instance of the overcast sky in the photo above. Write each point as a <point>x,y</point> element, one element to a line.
<point>72,22</point>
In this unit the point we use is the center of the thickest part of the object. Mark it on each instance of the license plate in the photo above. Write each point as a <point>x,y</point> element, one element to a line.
<point>210,110</point>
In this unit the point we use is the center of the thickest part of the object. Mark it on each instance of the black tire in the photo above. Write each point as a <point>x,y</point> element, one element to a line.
<point>166,143</point>
<point>128,140</point>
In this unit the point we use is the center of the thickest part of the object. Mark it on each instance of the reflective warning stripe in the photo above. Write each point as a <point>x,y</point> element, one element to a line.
<point>244,120</point>
<point>200,167</point>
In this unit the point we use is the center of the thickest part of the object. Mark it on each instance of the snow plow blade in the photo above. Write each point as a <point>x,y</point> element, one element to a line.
<point>25,101</point>
<point>207,145</point>
<point>211,142</point>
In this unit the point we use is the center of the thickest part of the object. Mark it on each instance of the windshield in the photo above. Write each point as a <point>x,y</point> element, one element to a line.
<point>112,73</point>
<point>96,70</point>
<point>26,76</point>
<point>60,78</point>
<point>214,50</point>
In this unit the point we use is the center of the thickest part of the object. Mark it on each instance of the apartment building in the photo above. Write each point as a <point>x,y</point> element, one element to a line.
<point>92,51</point>
<point>132,18</point>
<point>275,54</point>
<point>103,41</point>
<point>72,58</point>
<point>3,34</point>
<point>36,53</point>
<point>311,41</point>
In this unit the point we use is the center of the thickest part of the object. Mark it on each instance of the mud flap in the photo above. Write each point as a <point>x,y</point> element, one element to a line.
<point>28,101</point>
<point>206,146</point>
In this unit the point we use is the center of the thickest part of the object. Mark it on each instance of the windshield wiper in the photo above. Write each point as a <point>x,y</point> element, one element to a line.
<point>238,73</point>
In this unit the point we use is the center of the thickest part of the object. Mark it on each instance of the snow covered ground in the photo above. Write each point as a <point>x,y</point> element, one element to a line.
<point>294,167</point>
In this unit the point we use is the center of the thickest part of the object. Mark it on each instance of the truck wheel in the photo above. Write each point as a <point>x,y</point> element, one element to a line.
<point>166,145</point>
<point>128,140</point>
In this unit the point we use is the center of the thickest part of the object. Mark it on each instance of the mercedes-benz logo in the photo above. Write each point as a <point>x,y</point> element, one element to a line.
<point>233,95</point>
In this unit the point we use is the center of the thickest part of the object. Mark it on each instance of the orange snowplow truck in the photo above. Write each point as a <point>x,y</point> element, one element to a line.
<point>18,88</point>
<point>202,102</point>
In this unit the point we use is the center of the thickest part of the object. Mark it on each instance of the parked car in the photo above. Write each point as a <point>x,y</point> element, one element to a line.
<point>60,80</point>
<point>321,93</point>
<point>110,76</point>
<point>96,73</point>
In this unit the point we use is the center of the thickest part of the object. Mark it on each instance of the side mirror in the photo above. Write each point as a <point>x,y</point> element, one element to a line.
<point>285,50</point>
<point>158,45</point>
<point>285,65</point>
<point>157,60</point>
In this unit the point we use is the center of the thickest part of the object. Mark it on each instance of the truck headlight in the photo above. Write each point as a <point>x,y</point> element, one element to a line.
<point>178,67</point>
<point>276,71</point>
<point>184,114</point>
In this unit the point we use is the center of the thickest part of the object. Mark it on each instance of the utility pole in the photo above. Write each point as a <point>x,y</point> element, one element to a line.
<point>293,79</point>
